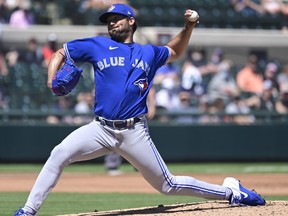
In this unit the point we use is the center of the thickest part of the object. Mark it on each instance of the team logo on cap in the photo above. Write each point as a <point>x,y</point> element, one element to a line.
<point>142,84</point>
<point>111,8</point>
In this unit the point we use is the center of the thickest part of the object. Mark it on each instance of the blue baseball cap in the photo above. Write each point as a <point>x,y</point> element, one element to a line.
<point>117,9</point>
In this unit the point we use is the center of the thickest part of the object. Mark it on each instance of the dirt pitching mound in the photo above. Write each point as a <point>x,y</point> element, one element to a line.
<point>209,208</point>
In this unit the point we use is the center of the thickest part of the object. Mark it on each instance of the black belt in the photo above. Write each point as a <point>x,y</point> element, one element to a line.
<point>118,124</point>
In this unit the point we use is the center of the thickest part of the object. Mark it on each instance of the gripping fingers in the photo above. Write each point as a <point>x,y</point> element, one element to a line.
<point>191,16</point>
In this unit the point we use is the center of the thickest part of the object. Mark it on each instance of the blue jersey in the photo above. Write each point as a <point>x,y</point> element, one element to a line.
<point>123,73</point>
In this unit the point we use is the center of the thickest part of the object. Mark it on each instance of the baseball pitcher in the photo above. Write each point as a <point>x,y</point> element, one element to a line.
<point>124,72</point>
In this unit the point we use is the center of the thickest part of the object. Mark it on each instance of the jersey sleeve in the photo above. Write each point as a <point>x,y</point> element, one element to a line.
<point>79,50</point>
<point>162,54</point>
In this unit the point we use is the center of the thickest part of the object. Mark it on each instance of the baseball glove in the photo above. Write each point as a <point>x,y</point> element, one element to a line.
<point>66,78</point>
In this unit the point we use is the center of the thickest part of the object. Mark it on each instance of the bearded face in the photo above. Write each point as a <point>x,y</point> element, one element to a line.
<point>119,28</point>
<point>120,34</point>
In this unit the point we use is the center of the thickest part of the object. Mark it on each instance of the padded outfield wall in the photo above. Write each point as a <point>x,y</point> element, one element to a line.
<point>175,143</point>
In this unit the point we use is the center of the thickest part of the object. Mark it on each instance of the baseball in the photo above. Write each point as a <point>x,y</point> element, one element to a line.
<point>194,16</point>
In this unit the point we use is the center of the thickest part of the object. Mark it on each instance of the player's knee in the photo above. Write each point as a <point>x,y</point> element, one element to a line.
<point>167,188</point>
<point>167,191</point>
<point>60,156</point>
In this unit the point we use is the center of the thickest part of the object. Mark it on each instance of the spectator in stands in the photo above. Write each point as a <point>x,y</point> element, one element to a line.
<point>3,66</point>
<point>33,52</point>
<point>212,67</point>
<point>50,47</point>
<point>249,79</point>
<point>284,11</point>
<point>210,110</point>
<point>169,71</point>
<point>217,106</point>
<point>197,57</point>
<point>203,108</point>
<point>166,83</point>
<point>22,17</point>
<point>247,7</point>
<point>238,106</point>
<point>84,105</point>
<point>4,72</point>
<point>191,78</point>
<point>223,84</point>
<point>91,9</point>
<point>49,13</point>
<point>270,73</point>
<point>266,100</point>
<point>282,103</point>
<point>282,78</point>
<point>203,104</point>
<point>4,12</point>
<point>63,105</point>
<point>12,4</point>
<point>79,12</point>
<point>3,102</point>
<point>12,57</point>
<point>271,6</point>
<point>183,106</point>
<point>166,98</point>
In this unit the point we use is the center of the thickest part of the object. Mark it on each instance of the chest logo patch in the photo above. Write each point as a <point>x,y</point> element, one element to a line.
<point>142,84</point>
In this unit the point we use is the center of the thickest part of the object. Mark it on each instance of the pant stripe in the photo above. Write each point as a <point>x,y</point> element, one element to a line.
<point>193,187</point>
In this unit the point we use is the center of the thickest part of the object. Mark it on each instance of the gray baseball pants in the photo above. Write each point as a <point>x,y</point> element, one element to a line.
<point>135,145</point>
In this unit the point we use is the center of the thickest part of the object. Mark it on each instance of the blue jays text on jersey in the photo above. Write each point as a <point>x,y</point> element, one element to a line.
<point>123,73</point>
<point>119,61</point>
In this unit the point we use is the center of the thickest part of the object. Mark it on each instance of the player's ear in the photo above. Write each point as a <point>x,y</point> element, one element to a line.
<point>132,21</point>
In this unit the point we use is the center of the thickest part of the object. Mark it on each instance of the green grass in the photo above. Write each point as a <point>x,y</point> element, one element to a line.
<point>65,203</point>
